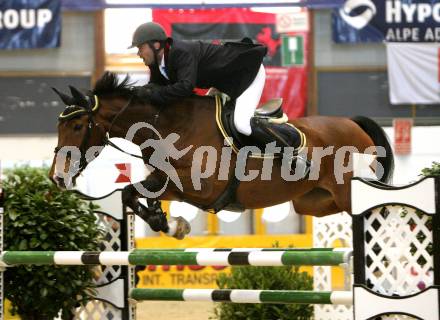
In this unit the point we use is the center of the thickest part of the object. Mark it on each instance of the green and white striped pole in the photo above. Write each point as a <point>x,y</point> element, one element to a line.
<point>202,258</point>
<point>241,249</point>
<point>245,296</point>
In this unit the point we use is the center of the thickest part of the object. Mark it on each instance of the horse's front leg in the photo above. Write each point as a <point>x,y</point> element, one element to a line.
<point>153,213</point>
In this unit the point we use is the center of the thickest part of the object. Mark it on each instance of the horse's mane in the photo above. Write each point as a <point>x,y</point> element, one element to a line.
<point>109,84</point>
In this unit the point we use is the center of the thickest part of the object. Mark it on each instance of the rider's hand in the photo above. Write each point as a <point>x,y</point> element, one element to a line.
<point>143,92</point>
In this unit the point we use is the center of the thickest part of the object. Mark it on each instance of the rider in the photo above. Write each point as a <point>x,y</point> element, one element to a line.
<point>235,68</point>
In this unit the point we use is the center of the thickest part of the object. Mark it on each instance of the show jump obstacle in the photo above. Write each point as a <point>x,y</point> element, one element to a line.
<point>114,282</point>
<point>141,257</point>
<point>396,258</point>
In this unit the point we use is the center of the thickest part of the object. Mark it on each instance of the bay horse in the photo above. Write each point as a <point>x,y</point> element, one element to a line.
<point>112,109</point>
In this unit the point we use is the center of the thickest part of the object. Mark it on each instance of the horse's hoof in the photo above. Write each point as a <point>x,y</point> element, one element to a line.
<point>181,228</point>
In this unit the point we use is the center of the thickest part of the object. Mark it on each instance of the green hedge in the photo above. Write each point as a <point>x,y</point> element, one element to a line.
<point>38,216</point>
<point>434,170</point>
<point>264,278</point>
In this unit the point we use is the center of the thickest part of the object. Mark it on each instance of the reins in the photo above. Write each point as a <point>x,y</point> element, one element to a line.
<point>107,134</point>
<point>91,123</point>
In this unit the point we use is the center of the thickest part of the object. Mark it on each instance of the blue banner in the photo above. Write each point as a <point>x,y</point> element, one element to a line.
<point>387,20</point>
<point>83,5</point>
<point>92,5</point>
<point>26,24</point>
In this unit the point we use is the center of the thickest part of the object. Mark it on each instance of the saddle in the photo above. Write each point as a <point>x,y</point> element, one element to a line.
<point>270,116</point>
<point>275,121</point>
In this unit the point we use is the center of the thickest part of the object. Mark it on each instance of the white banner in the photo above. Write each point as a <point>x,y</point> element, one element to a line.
<point>414,73</point>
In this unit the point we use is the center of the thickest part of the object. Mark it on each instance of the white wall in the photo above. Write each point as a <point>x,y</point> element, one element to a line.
<point>425,150</point>
<point>27,147</point>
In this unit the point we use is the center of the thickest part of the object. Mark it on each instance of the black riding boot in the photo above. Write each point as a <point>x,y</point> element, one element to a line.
<point>264,133</point>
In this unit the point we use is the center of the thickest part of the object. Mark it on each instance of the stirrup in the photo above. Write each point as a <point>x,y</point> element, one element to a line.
<point>270,109</point>
<point>298,162</point>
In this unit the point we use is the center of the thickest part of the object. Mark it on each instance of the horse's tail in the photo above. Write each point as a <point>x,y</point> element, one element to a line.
<point>379,137</point>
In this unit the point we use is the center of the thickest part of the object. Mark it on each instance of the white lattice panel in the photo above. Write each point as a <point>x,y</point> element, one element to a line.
<point>106,275</point>
<point>99,310</point>
<point>112,237</point>
<point>328,232</point>
<point>397,247</point>
<point>112,242</point>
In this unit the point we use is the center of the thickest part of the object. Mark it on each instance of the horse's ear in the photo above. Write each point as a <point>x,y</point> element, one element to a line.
<point>79,97</point>
<point>67,100</point>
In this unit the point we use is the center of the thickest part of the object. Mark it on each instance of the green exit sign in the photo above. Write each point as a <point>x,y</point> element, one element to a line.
<point>292,51</point>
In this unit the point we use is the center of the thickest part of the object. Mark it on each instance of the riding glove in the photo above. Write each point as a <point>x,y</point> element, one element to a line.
<point>143,92</point>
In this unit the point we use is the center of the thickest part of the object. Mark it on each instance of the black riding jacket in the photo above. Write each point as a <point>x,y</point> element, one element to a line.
<point>230,68</point>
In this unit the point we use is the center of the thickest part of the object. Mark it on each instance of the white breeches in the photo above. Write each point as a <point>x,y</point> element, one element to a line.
<point>247,102</point>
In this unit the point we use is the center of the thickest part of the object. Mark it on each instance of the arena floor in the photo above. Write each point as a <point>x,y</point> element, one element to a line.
<point>167,310</point>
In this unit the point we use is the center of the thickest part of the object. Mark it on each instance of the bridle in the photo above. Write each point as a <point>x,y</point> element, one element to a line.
<point>107,134</point>
<point>93,101</point>
<point>90,111</point>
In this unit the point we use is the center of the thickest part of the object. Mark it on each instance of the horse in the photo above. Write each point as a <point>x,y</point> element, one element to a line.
<point>197,175</point>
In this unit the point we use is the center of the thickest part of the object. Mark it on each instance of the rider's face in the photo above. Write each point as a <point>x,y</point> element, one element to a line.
<point>146,54</point>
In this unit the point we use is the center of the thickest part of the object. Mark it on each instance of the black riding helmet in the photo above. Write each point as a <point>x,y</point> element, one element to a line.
<point>149,33</point>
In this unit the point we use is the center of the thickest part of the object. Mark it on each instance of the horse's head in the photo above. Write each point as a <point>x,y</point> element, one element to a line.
<point>80,137</point>
<point>87,122</point>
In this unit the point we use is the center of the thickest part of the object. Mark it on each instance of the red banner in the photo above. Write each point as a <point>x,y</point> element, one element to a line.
<point>233,24</point>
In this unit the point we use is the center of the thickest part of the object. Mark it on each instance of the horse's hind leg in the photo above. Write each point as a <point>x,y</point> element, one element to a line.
<point>153,214</point>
